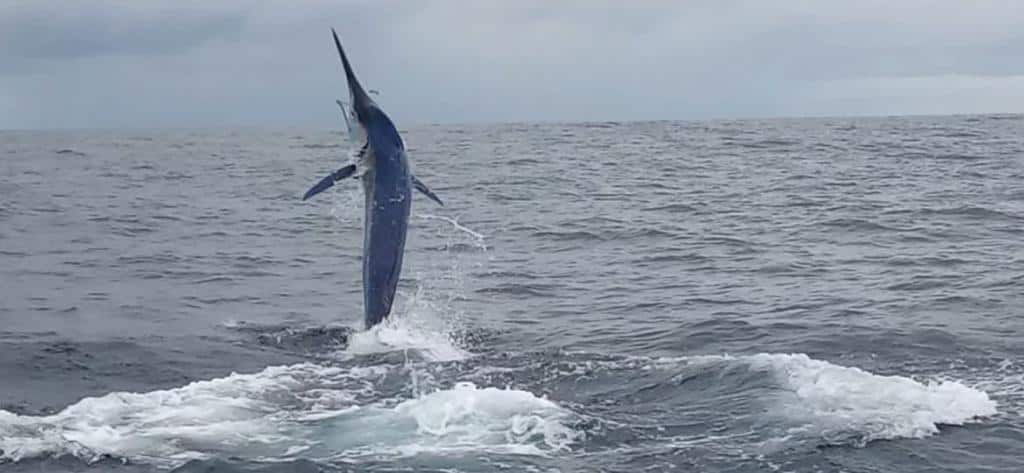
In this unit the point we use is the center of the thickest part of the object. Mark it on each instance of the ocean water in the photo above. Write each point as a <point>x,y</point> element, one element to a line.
<point>820,295</point>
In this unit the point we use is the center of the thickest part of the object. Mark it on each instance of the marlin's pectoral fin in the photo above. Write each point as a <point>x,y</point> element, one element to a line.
<point>329,181</point>
<point>425,190</point>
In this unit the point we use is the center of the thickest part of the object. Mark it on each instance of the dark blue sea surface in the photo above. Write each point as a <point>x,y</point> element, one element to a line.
<point>812,295</point>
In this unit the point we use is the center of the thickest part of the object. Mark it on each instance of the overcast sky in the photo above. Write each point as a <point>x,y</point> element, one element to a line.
<point>227,63</point>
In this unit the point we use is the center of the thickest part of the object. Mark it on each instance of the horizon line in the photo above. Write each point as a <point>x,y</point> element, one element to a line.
<point>532,122</point>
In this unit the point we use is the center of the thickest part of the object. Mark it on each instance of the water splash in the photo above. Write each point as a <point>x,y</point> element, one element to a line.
<point>848,405</point>
<point>417,324</point>
<point>479,239</point>
<point>320,412</point>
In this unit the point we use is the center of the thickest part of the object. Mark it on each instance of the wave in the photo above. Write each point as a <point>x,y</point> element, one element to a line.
<point>972,212</point>
<point>843,405</point>
<point>857,224</point>
<point>802,399</point>
<point>70,152</point>
<point>284,411</point>
<point>478,406</point>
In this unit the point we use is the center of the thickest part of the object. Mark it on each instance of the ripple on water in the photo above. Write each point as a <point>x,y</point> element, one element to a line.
<point>741,295</point>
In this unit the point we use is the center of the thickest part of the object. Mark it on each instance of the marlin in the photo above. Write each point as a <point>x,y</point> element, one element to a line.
<point>383,166</point>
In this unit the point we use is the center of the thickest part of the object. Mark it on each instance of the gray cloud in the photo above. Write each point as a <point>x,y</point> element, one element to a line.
<point>36,32</point>
<point>231,63</point>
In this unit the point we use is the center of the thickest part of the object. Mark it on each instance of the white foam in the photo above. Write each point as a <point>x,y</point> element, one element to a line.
<point>458,419</point>
<point>234,413</point>
<point>317,411</point>
<point>840,404</point>
<point>415,325</point>
<point>844,403</point>
<point>325,412</point>
<point>467,415</point>
<point>234,324</point>
<point>396,335</point>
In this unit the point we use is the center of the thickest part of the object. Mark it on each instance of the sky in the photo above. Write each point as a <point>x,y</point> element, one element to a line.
<point>262,63</point>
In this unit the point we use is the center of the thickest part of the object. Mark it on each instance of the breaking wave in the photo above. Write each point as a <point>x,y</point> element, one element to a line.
<point>327,412</point>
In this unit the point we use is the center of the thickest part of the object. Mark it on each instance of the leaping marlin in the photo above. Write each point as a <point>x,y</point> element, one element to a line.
<point>387,182</point>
